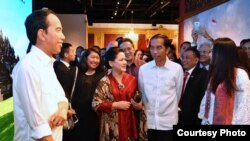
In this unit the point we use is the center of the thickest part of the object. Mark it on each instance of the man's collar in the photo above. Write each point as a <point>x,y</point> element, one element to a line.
<point>166,65</point>
<point>65,63</point>
<point>42,55</point>
<point>191,70</point>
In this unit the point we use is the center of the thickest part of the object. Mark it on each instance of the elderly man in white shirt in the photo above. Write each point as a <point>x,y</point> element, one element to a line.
<point>40,105</point>
<point>160,82</point>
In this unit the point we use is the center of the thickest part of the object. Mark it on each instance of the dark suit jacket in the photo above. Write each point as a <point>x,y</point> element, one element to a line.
<point>65,76</point>
<point>193,94</point>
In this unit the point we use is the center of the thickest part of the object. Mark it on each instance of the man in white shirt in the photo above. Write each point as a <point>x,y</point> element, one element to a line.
<point>160,82</point>
<point>40,105</point>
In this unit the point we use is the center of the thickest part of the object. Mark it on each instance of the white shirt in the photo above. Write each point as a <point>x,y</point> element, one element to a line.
<point>206,66</point>
<point>65,63</point>
<point>36,93</point>
<point>241,113</point>
<point>161,89</point>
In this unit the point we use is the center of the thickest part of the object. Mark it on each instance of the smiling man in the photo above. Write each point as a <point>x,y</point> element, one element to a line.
<point>40,105</point>
<point>127,46</point>
<point>193,90</point>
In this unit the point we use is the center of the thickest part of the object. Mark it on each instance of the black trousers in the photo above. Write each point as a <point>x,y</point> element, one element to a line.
<point>160,135</point>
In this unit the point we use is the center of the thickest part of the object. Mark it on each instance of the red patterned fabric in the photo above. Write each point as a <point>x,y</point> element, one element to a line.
<point>126,118</point>
<point>223,106</point>
<point>116,125</point>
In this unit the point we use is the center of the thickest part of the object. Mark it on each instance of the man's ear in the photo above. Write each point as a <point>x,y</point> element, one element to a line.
<point>167,50</point>
<point>66,54</point>
<point>197,60</point>
<point>41,34</point>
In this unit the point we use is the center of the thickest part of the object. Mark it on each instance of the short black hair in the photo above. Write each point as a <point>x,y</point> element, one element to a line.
<point>126,40</point>
<point>194,50</point>
<point>35,21</point>
<point>167,41</point>
<point>65,48</point>
<point>186,42</point>
<point>242,42</point>
<point>119,40</point>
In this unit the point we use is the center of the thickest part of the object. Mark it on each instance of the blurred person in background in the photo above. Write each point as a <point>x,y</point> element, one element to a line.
<point>226,100</point>
<point>89,75</point>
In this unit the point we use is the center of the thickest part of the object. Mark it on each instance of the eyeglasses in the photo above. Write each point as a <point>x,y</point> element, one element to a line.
<point>204,52</point>
<point>246,48</point>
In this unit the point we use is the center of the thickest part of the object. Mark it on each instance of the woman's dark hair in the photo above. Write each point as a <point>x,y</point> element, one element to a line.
<point>224,62</point>
<point>97,47</point>
<point>142,51</point>
<point>83,63</point>
<point>111,54</point>
<point>243,60</point>
<point>35,21</point>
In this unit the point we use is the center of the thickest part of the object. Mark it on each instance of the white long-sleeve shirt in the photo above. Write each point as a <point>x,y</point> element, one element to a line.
<point>36,93</point>
<point>241,112</point>
<point>161,89</point>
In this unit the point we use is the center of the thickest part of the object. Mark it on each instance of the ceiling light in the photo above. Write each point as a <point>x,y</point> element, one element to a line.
<point>131,34</point>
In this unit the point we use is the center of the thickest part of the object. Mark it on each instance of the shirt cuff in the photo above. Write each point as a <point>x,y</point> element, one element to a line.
<point>41,131</point>
<point>105,107</point>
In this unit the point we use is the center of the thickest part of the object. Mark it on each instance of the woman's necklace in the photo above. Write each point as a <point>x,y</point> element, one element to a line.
<point>120,85</point>
<point>90,72</point>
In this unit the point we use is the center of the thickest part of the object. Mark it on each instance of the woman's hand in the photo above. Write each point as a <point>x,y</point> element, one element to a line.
<point>121,105</point>
<point>71,112</point>
<point>137,106</point>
